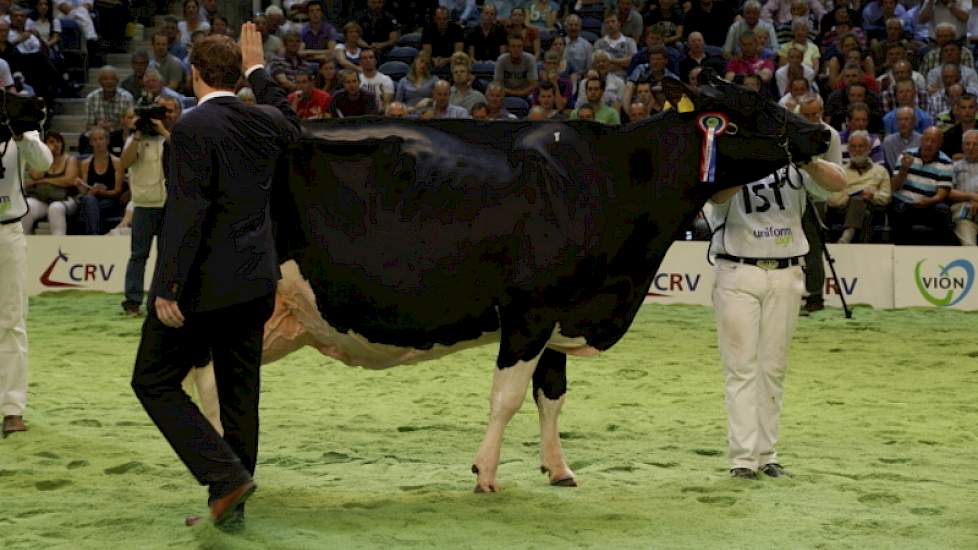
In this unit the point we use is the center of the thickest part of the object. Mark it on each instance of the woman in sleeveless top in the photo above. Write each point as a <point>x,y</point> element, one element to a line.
<point>100,184</point>
<point>43,187</point>
<point>348,53</point>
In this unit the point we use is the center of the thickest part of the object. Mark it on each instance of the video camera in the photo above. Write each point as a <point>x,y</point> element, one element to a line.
<point>145,116</point>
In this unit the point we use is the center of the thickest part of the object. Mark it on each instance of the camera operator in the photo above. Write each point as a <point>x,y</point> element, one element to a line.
<point>142,156</point>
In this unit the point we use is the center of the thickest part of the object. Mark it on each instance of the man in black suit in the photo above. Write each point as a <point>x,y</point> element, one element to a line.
<point>216,272</point>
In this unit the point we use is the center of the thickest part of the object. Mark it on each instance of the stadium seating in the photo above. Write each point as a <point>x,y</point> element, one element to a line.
<point>404,54</point>
<point>412,39</point>
<point>484,71</point>
<point>395,69</point>
<point>517,105</point>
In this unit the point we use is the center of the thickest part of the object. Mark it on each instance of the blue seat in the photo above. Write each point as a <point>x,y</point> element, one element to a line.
<point>591,24</point>
<point>395,69</point>
<point>516,105</point>
<point>713,50</point>
<point>485,71</point>
<point>71,35</point>
<point>590,36</point>
<point>411,39</point>
<point>404,54</point>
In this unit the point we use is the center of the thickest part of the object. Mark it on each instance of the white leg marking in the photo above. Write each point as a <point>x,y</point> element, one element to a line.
<point>508,392</point>
<point>551,454</point>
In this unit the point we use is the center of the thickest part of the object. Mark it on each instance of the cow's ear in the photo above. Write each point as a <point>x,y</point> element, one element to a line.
<point>679,94</point>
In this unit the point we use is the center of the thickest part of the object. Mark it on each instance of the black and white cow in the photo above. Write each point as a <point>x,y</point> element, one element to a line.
<point>409,240</point>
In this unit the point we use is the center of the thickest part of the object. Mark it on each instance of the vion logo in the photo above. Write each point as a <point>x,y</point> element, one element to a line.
<point>78,273</point>
<point>949,286</point>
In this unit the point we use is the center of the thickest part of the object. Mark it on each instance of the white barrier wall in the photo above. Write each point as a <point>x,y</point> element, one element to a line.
<point>935,276</point>
<point>79,263</point>
<point>882,276</point>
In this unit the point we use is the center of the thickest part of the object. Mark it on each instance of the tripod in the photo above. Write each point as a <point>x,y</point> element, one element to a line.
<point>822,231</point>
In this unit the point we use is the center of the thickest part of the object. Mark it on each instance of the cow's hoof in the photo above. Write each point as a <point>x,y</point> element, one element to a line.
<point>484,488</point>
<point>564,482</point>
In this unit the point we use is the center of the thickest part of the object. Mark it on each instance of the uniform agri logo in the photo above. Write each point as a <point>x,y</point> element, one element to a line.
<point>949,286</point>
<point>77,272</point>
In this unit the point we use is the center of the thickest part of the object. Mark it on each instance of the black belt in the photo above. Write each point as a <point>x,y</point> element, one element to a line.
<point>763,263</point>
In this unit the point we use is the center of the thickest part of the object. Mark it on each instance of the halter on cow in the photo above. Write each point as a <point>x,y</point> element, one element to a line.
<point>18,114</point>
<point>408,240</point>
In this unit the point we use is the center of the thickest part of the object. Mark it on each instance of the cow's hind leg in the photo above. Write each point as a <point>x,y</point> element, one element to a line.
<point>509,387</point>
<point>549,390</point>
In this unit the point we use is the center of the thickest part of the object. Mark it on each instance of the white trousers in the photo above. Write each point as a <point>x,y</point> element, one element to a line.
<point>56,213</point>
<point>13,320</point>
<point>756,313</point>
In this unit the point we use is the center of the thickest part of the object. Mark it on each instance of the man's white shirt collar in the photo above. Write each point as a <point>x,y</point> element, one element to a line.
<point>212,95</point>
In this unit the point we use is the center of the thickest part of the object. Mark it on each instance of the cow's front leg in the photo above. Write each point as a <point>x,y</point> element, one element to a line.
<point>509,387</point>
<point>549,391</point>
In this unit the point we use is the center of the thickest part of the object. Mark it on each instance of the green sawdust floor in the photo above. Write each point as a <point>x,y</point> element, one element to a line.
<point>879,427</point>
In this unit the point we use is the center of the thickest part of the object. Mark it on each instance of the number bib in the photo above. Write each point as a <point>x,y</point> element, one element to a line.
<point>764,220</point>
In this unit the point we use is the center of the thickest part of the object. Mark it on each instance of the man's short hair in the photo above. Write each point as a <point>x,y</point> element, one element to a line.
<point>956,68</point>
<point>911,110</point>
<point>274,10</point>
<point>177,104</point>
<point>514,38</point>
<point>218,61</point>
<point>140,54</point>
<point>320,3</point>
<point>967,96</point>
<point>659,49</point>
<point>345,73</point>
<point>809,98</point>
<point>599,80</point>
<point>905,83</point>
<point>860,133</point>
<point>548,86</point>
<point>945,26</point>
<point>858,106</point>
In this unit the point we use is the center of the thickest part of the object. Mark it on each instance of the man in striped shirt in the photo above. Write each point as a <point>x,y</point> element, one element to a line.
<point>964,194</point>
<point>920,187</point>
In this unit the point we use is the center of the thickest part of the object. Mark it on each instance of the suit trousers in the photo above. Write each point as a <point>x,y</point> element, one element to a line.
<point>232,336</point>
<point>756,313</point>
<point>13,320</point>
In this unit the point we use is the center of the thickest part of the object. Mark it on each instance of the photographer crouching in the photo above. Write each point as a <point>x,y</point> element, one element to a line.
<point>142,156</point>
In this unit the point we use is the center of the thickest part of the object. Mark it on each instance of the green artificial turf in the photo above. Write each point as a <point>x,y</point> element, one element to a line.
<point>879,427</point>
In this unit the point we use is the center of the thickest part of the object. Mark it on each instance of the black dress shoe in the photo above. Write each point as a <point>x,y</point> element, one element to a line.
<point>775,470</point>
<point>743,473</point>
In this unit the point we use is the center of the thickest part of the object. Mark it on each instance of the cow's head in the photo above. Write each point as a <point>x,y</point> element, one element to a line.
<point>759,135</point>
<point>19,114</point>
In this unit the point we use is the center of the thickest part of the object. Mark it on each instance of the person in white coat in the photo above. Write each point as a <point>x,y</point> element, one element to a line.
<point>19,153</point>
<point>758,245</point>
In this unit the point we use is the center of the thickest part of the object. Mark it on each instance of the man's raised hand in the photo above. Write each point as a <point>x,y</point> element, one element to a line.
<point>251,47</point>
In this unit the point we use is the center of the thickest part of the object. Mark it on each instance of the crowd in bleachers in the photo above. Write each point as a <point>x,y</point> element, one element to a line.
<point>899,75</point>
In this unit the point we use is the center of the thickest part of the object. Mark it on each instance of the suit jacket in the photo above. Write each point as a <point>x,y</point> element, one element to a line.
<point>216,247</point>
